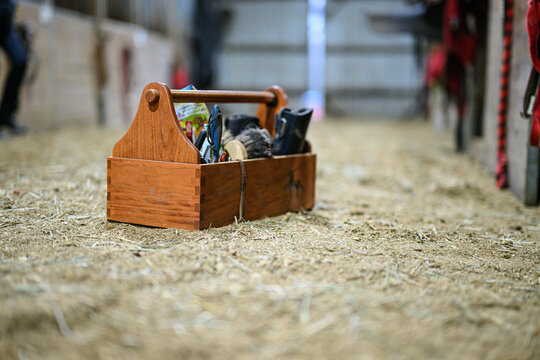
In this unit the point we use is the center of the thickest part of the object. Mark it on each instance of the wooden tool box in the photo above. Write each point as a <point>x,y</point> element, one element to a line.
<point>155,176</point>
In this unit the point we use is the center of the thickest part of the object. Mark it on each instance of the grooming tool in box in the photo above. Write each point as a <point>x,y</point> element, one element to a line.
<point>291,128</point>
<point>215,128</point>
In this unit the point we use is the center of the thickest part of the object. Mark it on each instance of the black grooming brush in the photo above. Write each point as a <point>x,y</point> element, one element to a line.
<point>257,142</point>
<point>238,123</point>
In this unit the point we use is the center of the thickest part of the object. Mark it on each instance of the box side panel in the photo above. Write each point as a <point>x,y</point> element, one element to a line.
<point>220,193</point>
<point>283,184</point>
<point>153,193</point>
<point>273,186</point>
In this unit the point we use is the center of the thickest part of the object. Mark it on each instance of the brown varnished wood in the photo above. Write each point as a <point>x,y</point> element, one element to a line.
<point>267,111</point>
<point>307,147</point>
<point>192,197</point>
<point>151,96</point>
<point>273,186</point>
<point>154,193</point>
<point>219,96</point>
<point>155,134</point>
<point>155,177</point>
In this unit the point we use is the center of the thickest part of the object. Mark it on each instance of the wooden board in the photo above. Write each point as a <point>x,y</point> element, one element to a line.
<point>154,193</point>
<point>267,112</point>
<point>155,134</point>
<point>186,196</point>
<point>272,187</point>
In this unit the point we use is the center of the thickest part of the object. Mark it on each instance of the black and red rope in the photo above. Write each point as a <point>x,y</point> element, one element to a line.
<point>501,171</point>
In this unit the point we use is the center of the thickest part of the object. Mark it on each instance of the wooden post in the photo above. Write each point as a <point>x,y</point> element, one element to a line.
<point>99,58</point>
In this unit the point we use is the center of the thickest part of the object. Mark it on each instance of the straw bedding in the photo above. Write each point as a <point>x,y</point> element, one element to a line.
<point>411,252</point>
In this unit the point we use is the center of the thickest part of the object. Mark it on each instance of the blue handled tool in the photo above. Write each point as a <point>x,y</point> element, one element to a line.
<point>215,127</point>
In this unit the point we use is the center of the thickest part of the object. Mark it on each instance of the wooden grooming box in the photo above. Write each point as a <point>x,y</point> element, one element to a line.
<point>155,176</point>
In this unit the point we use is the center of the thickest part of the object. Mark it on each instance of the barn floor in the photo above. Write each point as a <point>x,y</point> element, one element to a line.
<point>411,252</point>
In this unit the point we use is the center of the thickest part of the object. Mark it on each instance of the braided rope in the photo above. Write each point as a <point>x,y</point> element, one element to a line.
<point>501,171</point>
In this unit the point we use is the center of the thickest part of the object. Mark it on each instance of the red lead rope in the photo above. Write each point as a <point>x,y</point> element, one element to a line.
<point>501,170</point>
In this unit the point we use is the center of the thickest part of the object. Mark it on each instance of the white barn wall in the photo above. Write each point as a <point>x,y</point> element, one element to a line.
<point>66,61</point>
<point>265,44</point>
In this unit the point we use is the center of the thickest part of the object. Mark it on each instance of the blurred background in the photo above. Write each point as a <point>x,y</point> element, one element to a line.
<point>359,59</point>
<point>119,46</point>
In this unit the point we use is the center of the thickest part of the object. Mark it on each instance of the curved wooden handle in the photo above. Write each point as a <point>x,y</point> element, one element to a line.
<point>218,96</point>
<point>267,112</point>
<point>155,133</point>
<point>271,101</point>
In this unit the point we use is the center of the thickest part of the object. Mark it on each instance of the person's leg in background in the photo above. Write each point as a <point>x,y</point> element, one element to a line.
<point>16,54</point>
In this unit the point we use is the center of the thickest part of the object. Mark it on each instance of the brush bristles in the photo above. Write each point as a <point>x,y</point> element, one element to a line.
<point>257,142</point>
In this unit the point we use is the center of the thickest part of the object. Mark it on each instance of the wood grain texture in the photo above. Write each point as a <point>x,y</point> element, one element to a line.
<point>155,177</point>
<point>195,197</point>
<point>267,112</point>
<point>219,96</point>
<point>154,193</point>
<point>273,186</point>
<point>155,133</point>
